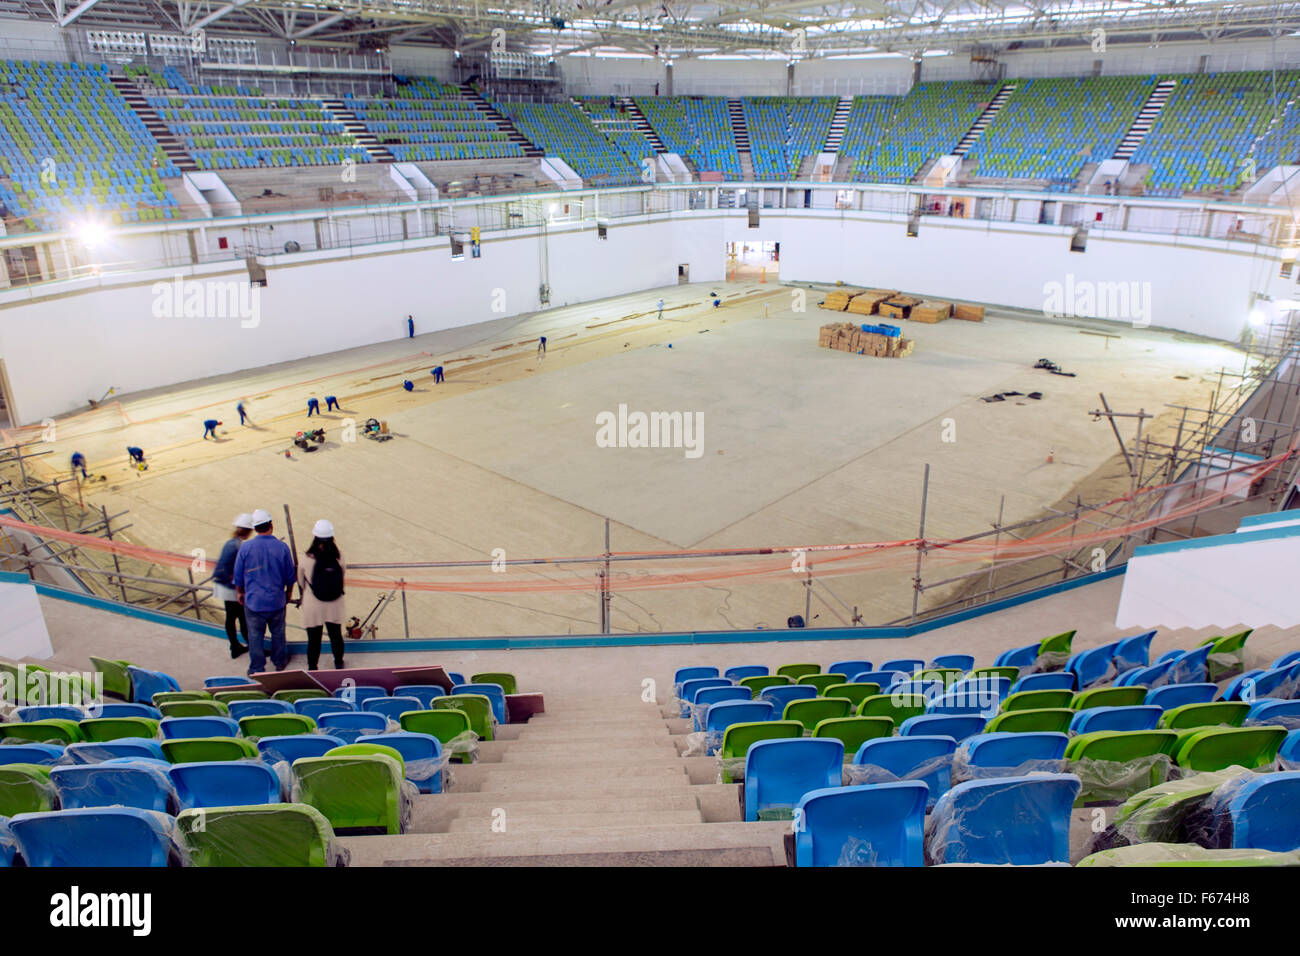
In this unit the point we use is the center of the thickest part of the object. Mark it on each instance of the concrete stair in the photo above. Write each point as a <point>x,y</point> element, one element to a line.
<point>1144,120</point>
<point>171,145</point>
<point>839,120</point>
<point>642,124</point>
<point>977,128</point>
<point>502,122</point>
<point>594,781</point>
<point>339,112</point>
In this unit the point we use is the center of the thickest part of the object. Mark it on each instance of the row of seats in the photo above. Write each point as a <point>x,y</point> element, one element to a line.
<point>563,130</point>
<point>783,130</point>
<point>999,755</point>
<point>428,120</point>
<point>697,127</point>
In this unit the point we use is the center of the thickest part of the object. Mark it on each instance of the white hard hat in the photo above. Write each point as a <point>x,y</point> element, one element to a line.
<point>244,521</point>
<point>323,529</point>
<point>261,517</point>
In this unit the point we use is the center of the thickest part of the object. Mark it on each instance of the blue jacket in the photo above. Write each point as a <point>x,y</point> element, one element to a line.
<point>225,571</point>
<point>263,569</point>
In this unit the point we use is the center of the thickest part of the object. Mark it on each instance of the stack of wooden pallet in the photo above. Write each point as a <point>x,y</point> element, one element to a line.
<point>875,340</point>
<point>837,300</point>
<point>931,311</point>
<point>971,313</point>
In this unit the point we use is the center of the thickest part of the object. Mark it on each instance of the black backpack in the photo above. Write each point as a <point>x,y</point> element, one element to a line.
<point>327,579</point>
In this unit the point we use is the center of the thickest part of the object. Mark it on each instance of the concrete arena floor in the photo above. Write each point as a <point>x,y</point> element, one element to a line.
<point>801,445</point>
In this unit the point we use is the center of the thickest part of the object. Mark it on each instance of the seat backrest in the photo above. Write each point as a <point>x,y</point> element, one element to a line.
<point>1262,812</point>
<point>231,681</point>
<point>351,724</point>
<point>493,692</point>
<point>99,751</point>
<point>193,708</point>
<point>353,792</point>
<point>1134,651</point>
<point>276,725</point>
<point>285,835</point>
<point>51,730</point>
<point>117,682</point>
<point>358,694</point>
<point>173,727</point>
<point>1038,700</point>
<point>1192,667</point>
<point>42,754</point>
<point>683,674</point>
<point>425,693</point>
<point>1214,748</point>
<point>908,665</point>
<point>194,749</point>
<point>1050,719</point>
<point>738,738</point>
<point>885,679</point>
<point>721,716</point>
<point>506,680</point>
<point>854,693</point>
<point>1230,712</point>
<point>1109,697</point>
<point>1176,695</point>
<point>1138,717</point>
<point>795,671</point>
<point>111,728</point>
<point>962,662</point>
<point>224,783</point>
<point>887,759</point>
<point>958,727</point>
<point>779,772</point>
<point>476,706</point>
<point>849,667</point>
<point>781,695</point>
<point>145,683</point>
<point>717,695</point>
<point>741,671</point>
<point>123,709</point>
<point>94,837</point>
<point>48,711</point>
<point>1024,821</point>
<point>290,747</point>
<point>898,707</point>
<point>1012,749</point>
<point>229,697</point>
<point>1264,711</point>
<point>306,693</point>
<point>258,708</point>
<point>759,683</point>
<point>313,707</point>
<point>822,681</point>
<point>26,788</point>
<point>1121,746</point>
<point>811,712</point>
<point>853,732</point>
<point>1018,656</point>
<point>861,826</point>
<point>1054,680</point>
<point>1154,676</point>
<point>393,707</point>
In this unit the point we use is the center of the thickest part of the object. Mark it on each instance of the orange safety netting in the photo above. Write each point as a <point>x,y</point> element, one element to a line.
<point>663,570</point>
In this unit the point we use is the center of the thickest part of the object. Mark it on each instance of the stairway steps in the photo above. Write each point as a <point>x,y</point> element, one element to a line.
<point>1145,120</point>
<point>981,123</point>
<point>839,123</point>
<point>523,821</point>
<point>170,144</point>
<point>594,760</point>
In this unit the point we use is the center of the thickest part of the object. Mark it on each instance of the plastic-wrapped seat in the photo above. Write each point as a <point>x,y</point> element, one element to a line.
<point>114,728</point>
<point>1138,717</point>
<point>847,667</point>
<point>962,662</point>
<point>145,683</point>
<point>1186,854</point>
<point>1009,754</point>
<point>811,712</point>
<point>313,707</point>
<point>358,694</point>
<point>26,788</point>
<point>94,837</point>
<point>279,835</point>
<point>362,792</point>
<point>681,676</point>
<point>890,759</point>
<point>958,727</point>
<point>424,693</point>
<point>1038,699</point>
<point>1046,719</point>
<point>1134,651</point>
<point>290,747</point>
<point>174,727</point>
<point>49,712</point>
<point>686,694</point>
<point>1055,680</point>
<point>1109,697</point>
<point>738,738</point>
<point>477,707</point>
<point>41,754</point>
<point>99,751</point>
<point>1155,675</point>
<point>1214,748</point>
<point>423,760</point>
<point>54,730</point>
<point>1114,765</point>
<point>224,783</point>
<point>122,709</point>
<point>709,696</point>
<point>8,845</point>
<point>779,772</point>
<point>741,671</point>
<point>258,708</point>
<point>1285,713</point>
<point>1225,655</point>
<point>279,725</point>
<point>493,692</point>
<point>1176,695</point>
<point>779,696</point>
<point>723,715</point>
<point>140,782</point>
<point>876,825</point>
<point>394,707</point>
<point>1018,656</point>
<point>1258,811</point>
<point>117,681</point>
<point>1024,821</point>
<point>195,749</point>
<point>1191,667</point>
<point>1230,712</point>
<point>1093,665</point>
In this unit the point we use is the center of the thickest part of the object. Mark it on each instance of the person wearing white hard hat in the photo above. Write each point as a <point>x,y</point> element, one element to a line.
<point>320,578</point>
<point>264,577</point>
<point>223,586</point>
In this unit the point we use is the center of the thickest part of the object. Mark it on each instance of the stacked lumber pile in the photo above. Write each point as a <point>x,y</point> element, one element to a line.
<point>899,306</point>
<point>931,311</point>
<point>971,313</point>
<point>882,341</point>
<point>838,299</point>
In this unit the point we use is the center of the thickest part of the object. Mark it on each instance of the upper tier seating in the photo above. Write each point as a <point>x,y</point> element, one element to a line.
<point>783,130</point>
<point>428,120</point>
<point>698,128</point>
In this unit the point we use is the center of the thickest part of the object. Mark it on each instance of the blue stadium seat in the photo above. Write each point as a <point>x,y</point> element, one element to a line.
<point>224,783</point>
<point>961,661</point>
<point>111,708</point>
<point>1006,750</point>
<point>424,693</point>
<point>25,752</point>
<point>422,754</point>
<point>94,837</point>
<point>1176,695</point>
<point>1134,651</point>
<point>240,709</point>
<point>779,772</point>
<point>1290,749</point>
<point>1093,666</point>
<point>394,707</point>
<point>493,692</point>
<point>1259,811</point>
<point>290,747</point>
<point>877,825</point>
<point>885,679</point>
<point>1286,659</point>
<point>455,677</point>
<point>145,683</point>
<point>709,696</point>
<point>781,694</point>
<point>177,728</point>
<point>688,688</point>
<point>358,694</point>
<point>682,675</point>
<point>722,716</point>
<point>1018,656</point>
<point>1264,711</point>
<point>93,752</point>
<point>350,725</point>
<point>50,712</point>
<point>1192,667</point>
<point>907,665</point>
<point>1242,684</point>
<point>1024,821</point>
<point>848,668</point>
<point>1279,682</point>
<point>138,782</point>
<point>956,726</point>
<point>1154,676</point>
<point>1137,717</point>
<point>1055,680</point>
<point>741,671</point>
<point>313,707</point>
<point>8,845</point>
<point>888,759</point>
<point>211,683</point>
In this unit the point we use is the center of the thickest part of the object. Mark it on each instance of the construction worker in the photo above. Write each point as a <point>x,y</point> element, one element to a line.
<point>210,428</point>
<point>223,586</point>
<point>320,579</point>
<point>243,414</point>
<point>79,464</point>
<point>541,346</point>
<point>437,374</point>
<point>661,309</point>
<point>331,403</point>
<point>410,327</point>
<point>136,455</point>
<point>313,406</point>
<point>264,577</point>
<point>408,385</point>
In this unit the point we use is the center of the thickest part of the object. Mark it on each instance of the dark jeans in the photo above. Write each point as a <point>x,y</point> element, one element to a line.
<point>336,645</point>
<point>257,623</point>
<point>235,616</point>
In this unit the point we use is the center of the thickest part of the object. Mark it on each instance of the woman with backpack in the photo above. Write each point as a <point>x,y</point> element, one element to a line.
<point>320,578</point>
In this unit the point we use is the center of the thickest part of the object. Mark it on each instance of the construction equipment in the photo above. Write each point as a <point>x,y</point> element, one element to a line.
<point>357,629</point>
<point>376,430</point>
<point>308,441</point>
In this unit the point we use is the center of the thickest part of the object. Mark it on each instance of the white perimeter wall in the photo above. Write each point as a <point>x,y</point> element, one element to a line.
<point>60,349</point>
